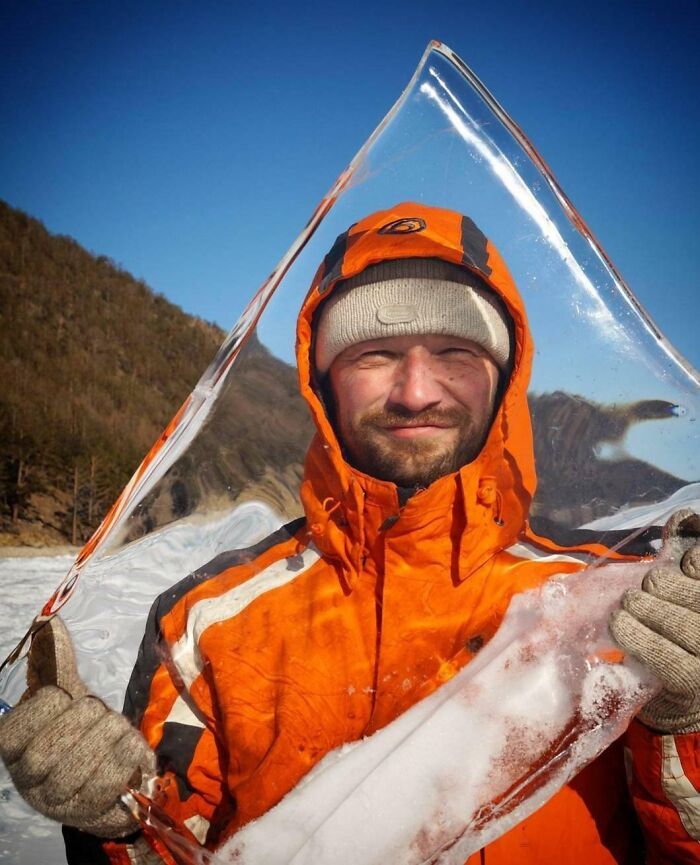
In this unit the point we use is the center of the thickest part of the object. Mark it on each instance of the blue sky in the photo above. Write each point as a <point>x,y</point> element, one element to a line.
<point>191,142</point>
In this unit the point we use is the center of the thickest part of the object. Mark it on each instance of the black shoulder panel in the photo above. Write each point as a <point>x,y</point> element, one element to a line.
<point>628,542</point>
<point>150,655</point>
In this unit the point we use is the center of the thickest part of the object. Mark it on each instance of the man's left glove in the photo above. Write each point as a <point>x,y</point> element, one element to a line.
<point>660,626</point>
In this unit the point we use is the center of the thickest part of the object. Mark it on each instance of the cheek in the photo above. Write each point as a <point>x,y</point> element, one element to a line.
<point>477,391</point>
<point>358,393</point>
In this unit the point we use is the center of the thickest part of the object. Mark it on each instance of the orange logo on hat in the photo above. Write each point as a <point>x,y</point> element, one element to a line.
<point>410,225</point>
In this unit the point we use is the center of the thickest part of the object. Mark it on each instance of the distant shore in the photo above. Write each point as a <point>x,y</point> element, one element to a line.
<point>35,552</point>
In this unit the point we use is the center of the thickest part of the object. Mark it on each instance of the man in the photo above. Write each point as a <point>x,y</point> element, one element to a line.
<point>414,357</point>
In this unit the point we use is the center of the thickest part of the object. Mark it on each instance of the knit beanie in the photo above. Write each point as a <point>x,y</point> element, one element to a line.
<point>410,296</point>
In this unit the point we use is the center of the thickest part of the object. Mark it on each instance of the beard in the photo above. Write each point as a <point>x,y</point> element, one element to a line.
<point>416,462</point>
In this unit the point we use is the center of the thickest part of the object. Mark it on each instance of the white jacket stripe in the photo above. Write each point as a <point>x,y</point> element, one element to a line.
<point>211,611</point>
<point>679,789</point>
<point>526,551</point>
<point>181,713</point>
<point>198,826</point>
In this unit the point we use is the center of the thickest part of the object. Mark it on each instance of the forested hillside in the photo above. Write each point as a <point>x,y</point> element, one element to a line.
<point>93,364</point>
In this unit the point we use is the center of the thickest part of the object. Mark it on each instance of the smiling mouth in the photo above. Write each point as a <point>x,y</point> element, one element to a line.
<point>415,430</point>
<point>428,424</point>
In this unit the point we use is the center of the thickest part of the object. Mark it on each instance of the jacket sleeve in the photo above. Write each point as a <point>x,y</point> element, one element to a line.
<point>191,759</point>
<point>664,778</point>
<point>180,724</point>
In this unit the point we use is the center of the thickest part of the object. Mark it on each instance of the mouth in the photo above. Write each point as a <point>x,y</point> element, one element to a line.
<point>415,430</point>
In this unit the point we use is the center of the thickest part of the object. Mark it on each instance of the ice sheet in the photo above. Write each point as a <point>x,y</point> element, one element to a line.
<point>107,614</point>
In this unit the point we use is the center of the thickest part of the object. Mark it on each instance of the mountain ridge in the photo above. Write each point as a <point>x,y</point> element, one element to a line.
<point>93,365</point>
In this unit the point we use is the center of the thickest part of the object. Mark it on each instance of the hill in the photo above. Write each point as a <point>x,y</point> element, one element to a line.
<point>93,364</point>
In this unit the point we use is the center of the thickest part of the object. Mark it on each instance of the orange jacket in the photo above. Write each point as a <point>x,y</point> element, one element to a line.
<point>335,625</point>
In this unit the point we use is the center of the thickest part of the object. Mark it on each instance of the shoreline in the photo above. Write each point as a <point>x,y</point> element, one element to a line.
<point>19,552</point>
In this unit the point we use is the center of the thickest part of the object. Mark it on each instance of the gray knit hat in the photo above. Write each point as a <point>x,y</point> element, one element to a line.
<point>412,296</point>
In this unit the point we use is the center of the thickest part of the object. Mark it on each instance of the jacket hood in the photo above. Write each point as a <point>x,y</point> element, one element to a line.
<point>484,505</point>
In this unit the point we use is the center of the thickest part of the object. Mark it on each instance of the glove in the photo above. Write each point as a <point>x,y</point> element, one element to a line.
<point>660,626</point>
<point>68,754</point>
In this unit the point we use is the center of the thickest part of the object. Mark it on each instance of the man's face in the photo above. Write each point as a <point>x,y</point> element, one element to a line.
<point>410,409</point>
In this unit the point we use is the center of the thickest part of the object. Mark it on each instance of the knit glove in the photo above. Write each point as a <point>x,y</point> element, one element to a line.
<point>69,755</point>
<point>660,626</point>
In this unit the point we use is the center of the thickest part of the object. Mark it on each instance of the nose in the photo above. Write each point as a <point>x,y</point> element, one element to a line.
<point>415,386</point>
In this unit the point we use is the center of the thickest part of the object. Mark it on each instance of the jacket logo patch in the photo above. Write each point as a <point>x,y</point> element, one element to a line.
<point>397,313</point>
<point>410,225</point>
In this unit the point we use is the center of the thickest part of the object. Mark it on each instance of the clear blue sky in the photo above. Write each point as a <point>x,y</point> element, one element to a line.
<point>190,142</point>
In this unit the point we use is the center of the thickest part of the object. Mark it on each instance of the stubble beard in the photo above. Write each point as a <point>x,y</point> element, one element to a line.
<point>413,462</point>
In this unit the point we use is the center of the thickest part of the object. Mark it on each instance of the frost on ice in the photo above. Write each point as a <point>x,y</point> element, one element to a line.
<point>547,695</point>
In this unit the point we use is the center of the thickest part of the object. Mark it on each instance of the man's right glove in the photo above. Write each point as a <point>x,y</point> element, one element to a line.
<point>660,625</point>
<point>69,755</point>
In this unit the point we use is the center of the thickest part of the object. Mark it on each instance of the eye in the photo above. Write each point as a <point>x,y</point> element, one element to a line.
<point>458,352</point>
<point>377,354</point>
